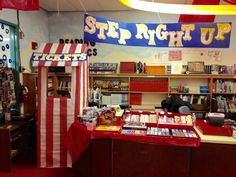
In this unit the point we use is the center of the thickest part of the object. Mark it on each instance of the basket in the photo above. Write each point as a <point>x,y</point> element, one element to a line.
<point>200,107</point>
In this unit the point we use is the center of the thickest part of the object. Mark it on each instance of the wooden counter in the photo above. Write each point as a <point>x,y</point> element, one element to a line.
<point>216,139</point>
<point>119,158</point>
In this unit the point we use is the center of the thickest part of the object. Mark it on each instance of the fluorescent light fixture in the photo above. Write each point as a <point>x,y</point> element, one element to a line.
<point>180,9</point>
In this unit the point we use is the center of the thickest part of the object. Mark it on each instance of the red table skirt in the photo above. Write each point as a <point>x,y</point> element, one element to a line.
<point>78,138</point>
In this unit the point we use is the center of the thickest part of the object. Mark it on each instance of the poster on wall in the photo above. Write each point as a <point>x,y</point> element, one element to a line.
<point>175,55</point>
<point>174,35</point>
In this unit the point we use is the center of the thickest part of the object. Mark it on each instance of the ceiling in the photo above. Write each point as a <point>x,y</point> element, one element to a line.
<point>94,5</point>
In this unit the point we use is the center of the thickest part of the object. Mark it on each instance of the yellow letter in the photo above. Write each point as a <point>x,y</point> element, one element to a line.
<point>151,40</point>
<point>90,25</point>
<point>37,56</point>
<point>76,57</point>
<point>187,28</point>
<point>142,29</point>
<point>102,27</point>
<point>222,30</point>
<point>124,34</point>
<point>176,39</point>
<point>161,35</point>
<point>204,32</point>
<point>44,57</point>
<point>112,26</point>
<point>49,57</point>
<point>67,57</point>
<point>57,57</point>
<point>83,56</point>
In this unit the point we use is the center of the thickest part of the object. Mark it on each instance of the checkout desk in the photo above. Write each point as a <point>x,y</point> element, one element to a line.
<point>216,157</point>
<point>113,157</point>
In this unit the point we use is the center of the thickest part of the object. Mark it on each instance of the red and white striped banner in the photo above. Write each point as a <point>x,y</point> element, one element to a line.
<point>55,48</point>
<point>56,114</point>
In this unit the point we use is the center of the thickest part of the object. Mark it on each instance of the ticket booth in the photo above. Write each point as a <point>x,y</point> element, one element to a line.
<point>56,113</point>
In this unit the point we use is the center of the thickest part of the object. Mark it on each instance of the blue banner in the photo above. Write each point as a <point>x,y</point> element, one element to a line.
<point>175,35</point>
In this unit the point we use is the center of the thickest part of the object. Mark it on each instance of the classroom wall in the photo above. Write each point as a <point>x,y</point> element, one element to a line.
<point>43,27</point>
<point>69,25</point>
<point>34,24</point>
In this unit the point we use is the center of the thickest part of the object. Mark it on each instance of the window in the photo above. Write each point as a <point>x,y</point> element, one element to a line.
<point>8,46</point>
<point>9,60</point>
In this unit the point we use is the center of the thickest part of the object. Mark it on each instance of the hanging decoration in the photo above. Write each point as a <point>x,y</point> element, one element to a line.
<point>199,18</point>
<point>180,8</point>
<point>26,5</point>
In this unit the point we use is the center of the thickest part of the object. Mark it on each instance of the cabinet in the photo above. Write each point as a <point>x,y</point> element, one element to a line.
<point>118,158</point>
<point>13,141</point>
<point>30,81</point>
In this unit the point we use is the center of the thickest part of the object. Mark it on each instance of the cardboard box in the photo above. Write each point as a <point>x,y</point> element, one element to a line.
<point>156,69</point>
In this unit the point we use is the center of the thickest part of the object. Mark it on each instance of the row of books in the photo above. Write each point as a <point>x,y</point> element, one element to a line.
<point>224,104</point>
<point>220,86</point>
<point>114,99</point>
<point>64,85</point>
<point>112,85</point>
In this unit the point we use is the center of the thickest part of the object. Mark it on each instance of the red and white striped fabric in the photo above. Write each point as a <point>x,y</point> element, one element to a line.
<point>55,114</point>
<point>55,48</point>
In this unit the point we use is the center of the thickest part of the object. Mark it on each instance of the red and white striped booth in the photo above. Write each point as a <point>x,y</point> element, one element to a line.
<point>55,114</point>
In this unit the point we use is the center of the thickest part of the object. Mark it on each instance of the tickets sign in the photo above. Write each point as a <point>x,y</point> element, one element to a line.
<point>204,35</point>
<point>75,57</point>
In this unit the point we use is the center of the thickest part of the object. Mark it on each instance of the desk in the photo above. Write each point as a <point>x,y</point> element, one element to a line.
<point>107,157</point>
<point>119,158</point>
<point>215,157</point>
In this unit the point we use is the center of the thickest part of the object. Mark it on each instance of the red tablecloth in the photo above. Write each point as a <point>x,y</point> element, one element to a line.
<point>78,138</point>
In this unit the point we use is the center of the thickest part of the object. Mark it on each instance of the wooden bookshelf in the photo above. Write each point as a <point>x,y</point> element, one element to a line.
<point>195,79</point>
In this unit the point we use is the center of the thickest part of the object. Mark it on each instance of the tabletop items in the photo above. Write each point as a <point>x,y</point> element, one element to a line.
<point>139,123</point>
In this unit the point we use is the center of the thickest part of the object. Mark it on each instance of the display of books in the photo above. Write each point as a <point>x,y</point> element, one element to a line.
<point>133,132</point>
<point>134,125</point>
<point>175,120</point>
<point>110,128</point>
<point>140,116</point>
<point>154,131</point>
<point>183,133</point>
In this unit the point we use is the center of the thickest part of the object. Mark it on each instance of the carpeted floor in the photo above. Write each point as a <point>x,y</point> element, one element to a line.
<point>26,167</point>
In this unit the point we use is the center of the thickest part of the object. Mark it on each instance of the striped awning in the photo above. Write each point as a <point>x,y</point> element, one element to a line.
<point>56,48</point>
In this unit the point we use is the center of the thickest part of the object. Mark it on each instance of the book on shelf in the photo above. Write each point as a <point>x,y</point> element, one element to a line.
<point>64,85</point>
<point>50,85</point>
<point>224,104</point>
<point>220,86</point>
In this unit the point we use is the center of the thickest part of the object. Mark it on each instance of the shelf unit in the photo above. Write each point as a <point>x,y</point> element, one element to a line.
<point>149,98</point>
<point>224,93</point>
<point>13,142</point>
<point>192,80</point>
